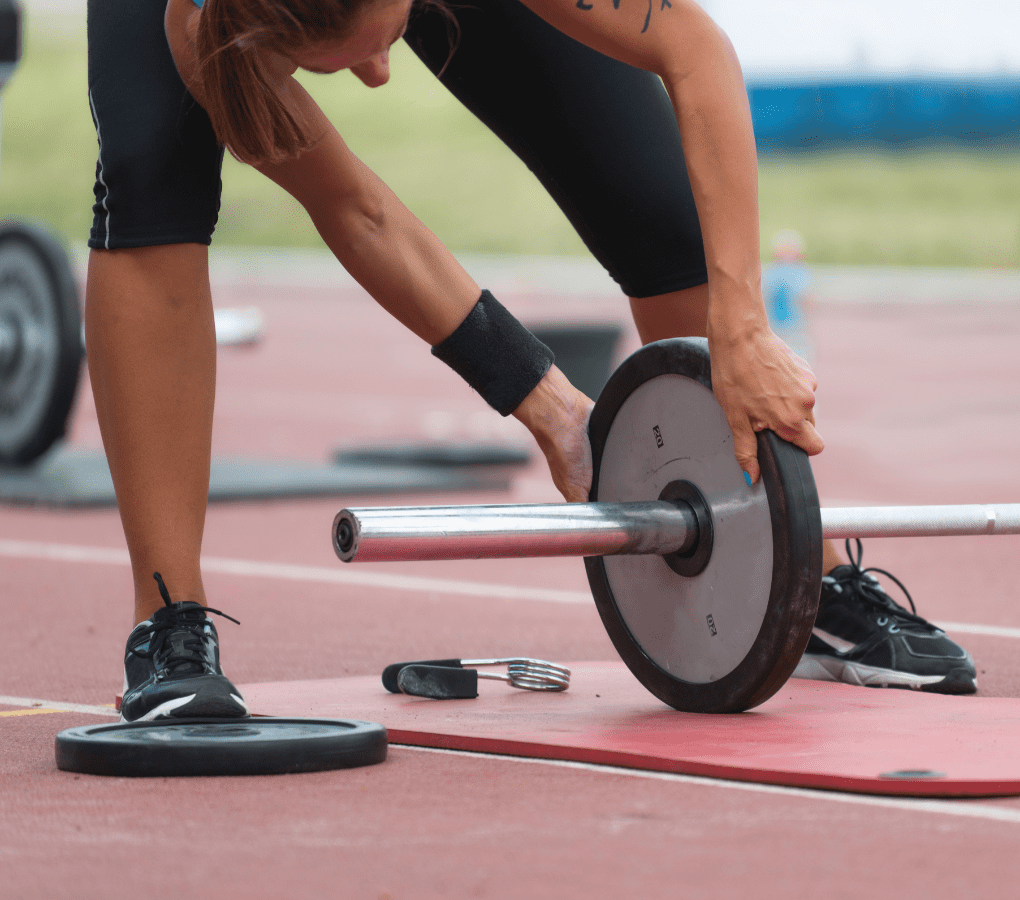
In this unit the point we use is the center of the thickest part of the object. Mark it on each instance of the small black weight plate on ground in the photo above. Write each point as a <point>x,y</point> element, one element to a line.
<point>40,342</point>
<point>728,637</point>
<point>253,746</point>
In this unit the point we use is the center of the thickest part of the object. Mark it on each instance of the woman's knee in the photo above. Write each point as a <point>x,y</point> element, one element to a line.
<point>681,313</point>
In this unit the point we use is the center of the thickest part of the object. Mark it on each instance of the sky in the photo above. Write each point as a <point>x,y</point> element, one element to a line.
<point>872,36</point>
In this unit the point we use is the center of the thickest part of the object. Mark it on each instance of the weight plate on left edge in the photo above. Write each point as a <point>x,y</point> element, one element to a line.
<point>40,342</point>
<point>729,637</point>
<point>251,746</point>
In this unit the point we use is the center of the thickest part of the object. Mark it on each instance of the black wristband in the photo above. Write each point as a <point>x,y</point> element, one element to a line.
<point>496,355</point>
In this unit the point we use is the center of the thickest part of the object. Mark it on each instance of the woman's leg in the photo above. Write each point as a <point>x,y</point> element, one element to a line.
<point>149,325</point>
<point>152,363</point>
<point>677,314</point>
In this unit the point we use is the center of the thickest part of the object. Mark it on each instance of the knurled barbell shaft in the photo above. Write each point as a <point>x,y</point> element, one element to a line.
<point>393,534</point>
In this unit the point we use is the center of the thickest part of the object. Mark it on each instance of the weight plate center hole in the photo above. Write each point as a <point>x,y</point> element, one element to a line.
<point>693,561</point>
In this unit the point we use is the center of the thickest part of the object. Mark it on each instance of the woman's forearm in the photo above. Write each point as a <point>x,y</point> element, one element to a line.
<point>399,261</point>
<point>714,116</point>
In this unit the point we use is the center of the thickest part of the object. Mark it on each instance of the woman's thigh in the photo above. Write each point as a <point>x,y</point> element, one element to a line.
<point>158,171</point>
<point>601,136</point>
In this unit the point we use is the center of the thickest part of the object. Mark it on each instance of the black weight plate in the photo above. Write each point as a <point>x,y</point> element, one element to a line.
<point>729,637</point>
<point>40,342</point>
<point>253,746</point>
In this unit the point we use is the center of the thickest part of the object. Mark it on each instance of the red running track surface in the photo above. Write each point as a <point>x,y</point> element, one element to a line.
<point>917,404</point>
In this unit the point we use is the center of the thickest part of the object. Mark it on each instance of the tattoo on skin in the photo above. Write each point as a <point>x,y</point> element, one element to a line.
<point>663,5</point>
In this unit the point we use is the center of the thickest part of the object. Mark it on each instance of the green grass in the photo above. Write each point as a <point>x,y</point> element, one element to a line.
<point>917,209</point>
<point>928,209</point>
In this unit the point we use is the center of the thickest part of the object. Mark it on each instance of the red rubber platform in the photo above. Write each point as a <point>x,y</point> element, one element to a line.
<point>811,734</point>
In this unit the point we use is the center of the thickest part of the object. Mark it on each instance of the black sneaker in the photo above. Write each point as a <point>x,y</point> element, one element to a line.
<point>172,667</point>
<point>863,637</point>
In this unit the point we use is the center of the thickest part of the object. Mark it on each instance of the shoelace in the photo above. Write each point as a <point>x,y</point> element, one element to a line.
<point>858,582</point>
<point>176,618</point>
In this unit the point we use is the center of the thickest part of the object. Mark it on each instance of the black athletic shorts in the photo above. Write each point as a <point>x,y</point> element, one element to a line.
<point>158,172</point>
<point>600,136</point>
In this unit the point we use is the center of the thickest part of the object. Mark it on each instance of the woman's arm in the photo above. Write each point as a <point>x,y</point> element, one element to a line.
<point>373,235</point>
<point>756,382</point>
<point>402,264</point>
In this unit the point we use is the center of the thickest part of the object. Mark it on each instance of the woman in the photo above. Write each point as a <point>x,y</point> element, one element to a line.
<point>149,313</point>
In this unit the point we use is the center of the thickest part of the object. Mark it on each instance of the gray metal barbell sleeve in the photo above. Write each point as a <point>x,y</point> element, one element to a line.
<point>499,532</point>
<point>604,529</point>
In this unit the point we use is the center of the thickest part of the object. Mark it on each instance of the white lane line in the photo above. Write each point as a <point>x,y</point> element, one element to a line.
<point>962,808</point>
<point>312,574</point>
<point>322,575</point>
<point>344,574</point>
<point>33,703</point>
<point>64,553</point>
<point>990,630</point>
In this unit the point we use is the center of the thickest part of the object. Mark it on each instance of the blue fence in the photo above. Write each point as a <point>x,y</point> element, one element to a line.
<point>903,114</point>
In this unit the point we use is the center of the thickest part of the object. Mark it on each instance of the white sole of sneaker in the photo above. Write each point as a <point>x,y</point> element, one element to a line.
<point>166,710</point>
<point>163,710</point>
<point>821,668</point>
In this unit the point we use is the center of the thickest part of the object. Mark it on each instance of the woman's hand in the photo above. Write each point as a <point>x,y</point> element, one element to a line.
<point>760,383</point>
<point>556,413</point>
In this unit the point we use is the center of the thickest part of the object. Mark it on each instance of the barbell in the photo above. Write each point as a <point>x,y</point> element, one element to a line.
<point>708,587</point>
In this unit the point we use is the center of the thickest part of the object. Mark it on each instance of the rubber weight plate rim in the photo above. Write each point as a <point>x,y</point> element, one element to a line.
<point>21,442</point>
<point>796,543</point>
<point>251,746</point>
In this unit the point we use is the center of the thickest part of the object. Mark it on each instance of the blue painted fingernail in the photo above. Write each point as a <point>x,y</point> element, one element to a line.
<point>747,478</point>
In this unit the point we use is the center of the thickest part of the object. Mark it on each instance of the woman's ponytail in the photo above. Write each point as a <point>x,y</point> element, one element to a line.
<point>248,115</point>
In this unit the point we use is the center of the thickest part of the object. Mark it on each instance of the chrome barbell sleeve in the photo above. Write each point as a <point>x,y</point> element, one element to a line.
<point>525,530</point>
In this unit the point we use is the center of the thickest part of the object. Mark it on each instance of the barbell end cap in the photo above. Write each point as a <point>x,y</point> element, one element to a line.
<point>346,531</point>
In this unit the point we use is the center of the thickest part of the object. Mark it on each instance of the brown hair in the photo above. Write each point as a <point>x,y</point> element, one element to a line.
<point>247,114</point>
